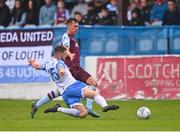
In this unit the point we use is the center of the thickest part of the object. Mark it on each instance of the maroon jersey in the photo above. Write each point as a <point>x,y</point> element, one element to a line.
<point>69,41</point>
<point>74,66</point>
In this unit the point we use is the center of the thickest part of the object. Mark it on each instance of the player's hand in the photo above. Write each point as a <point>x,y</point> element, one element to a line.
<point>72,57</point>
<point>31,61</point>
<point>34,64</point>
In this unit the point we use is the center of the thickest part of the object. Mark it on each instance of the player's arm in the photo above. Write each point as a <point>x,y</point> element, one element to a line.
<point>35,64</point>
<point>69,54</point>
<point>66,43</point>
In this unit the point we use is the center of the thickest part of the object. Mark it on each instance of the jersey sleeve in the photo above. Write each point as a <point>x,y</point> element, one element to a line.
<point>45,66</point>
<point>42,67</point>
<point>65,40</point>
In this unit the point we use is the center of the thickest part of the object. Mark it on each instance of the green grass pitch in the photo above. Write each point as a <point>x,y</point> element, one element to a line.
<point>15,115</point>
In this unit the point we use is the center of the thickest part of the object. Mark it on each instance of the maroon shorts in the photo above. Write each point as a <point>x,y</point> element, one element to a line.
<point>79,74</point>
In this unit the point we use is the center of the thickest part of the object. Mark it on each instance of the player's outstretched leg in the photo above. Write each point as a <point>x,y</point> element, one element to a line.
<point>52,109</point>
<point>110,107</point>
<point>89,102</point>
<point>89,105</point>
<point>76,111</point>
<point>33,109</point>
<point>91,112</point>
<point>100,100</point>
<point>45,99</point>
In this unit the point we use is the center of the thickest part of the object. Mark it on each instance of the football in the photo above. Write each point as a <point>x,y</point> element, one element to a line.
<point>143,112</point>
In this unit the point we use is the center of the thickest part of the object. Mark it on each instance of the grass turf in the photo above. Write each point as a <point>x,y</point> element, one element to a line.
<point>15,115</point>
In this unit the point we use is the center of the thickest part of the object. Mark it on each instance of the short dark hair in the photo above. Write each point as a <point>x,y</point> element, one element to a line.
<point>174,1</point>
<point>60,49</point>
<point>71,20</point>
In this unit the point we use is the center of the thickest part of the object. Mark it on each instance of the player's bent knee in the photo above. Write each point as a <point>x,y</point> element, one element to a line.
<point>89,93</point>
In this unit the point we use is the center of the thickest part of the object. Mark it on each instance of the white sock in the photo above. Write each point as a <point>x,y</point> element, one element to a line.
<point>89,103</point>
<point>71,112</point>
<point>100,100</point>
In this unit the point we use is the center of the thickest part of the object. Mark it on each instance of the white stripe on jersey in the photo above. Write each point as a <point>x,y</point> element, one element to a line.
<point>65,40</point>
<point>52,67</point>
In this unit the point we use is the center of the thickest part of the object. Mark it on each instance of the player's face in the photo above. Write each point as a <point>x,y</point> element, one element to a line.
<point>64,55</point>
<point>58,55</point>
<point>73,28</point>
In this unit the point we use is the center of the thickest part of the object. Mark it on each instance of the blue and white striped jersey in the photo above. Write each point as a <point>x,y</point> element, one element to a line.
<point>52,68</point>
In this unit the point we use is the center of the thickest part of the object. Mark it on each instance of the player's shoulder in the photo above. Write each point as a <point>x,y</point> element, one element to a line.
<point>66,40</point>
<point>48,65</point>
<point>60,61</point>
<point>65,36</point>
<point>51,62</point>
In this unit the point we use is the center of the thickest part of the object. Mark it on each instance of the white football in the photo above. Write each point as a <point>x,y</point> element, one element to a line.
<point>143,112</point>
